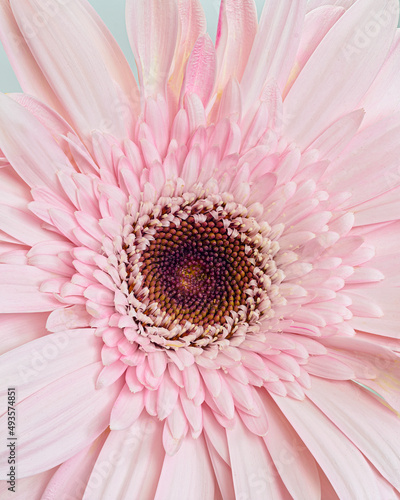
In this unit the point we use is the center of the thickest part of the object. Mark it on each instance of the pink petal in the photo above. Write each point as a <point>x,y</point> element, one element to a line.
<point>298,470</point>
<point>193,25</point>
<point>34,365</point>
<point>200,70</point>
<point>274,48</point>
<point>382,98</point>
<point>32,487</point>
<point>30,148</point>
<point>72,476</point>
<point>342,462</point>
<point>152,29</point>
<point>75,415</point>
<point>90,105</point>
<point>23,62</point>
<point>332,142</point>
<point>127,409</point>
<point>129,463</point>
<point>237,28</point>
<point>248,455</point>
<point>369,165</point>
<point>317,23</point>
<point>19,290</point>
<point>19,329</point>
<point>343,403</point>
<point>222,472</point>
<point>198,481</point>
<point>23,226</point>
<point>316,99</point>
<point>329,367</point>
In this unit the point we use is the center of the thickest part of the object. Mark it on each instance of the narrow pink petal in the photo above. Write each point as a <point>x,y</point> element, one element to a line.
<point>274,48</point>
<point>134,460</point>
<point>76,413</point>
<point>198,481</point>
<point>87,91</point>
<point>345,466</point>
<point>328,367</point>
<point>382,98</point>
<point>334,140</point>
<point>343,403</point>
<point>167,396</point>
<point>369,165</point>
<point>192,25</point>
<point>152,29</point>
<point>34,365</point>
<point>200,70</point>
<point>310,106</point>
<point>19,329</point>
<point>23,226</point>
<point>194,415</point>
<point>30,148</point>
<point>72,476</point>
<point>110,374</point>
<point>237,28</point>
<point>298,470</point>
<point>222,472</point>
<point>19,290</point>
<point>248,454</point>
<point>23,62</point>
<point>317,23</point>
<point>127,409</point>
<point>387,298</point>
<point>314,4</point>
<point>54,122</point>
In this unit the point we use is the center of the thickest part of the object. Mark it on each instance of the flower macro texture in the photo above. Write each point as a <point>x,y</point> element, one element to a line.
<point>199,272</point>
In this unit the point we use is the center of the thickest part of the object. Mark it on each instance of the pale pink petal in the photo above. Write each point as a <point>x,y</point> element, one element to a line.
<point>19,329</point>
<point>127,409</point>
<point>87,91</point>
<point>316,99</point>
<point>222,471</point>
<point>200,70</point>
<point>19,290</point>
<point>198,480</point>
<point>72,476</point>
<point>129,463</point>
<point>34,365</point>
<point>30,148</point>
<point>343,403</point>
<point>333,141</point>
<point>346,468</point>
<point>382,98</point>
<point>153,29</point>
<point>274,48</point>
<point>192,25</point>
<point>314,4</point>
<point>317,23</point>
<point>295,463</point>
<point>237,27</point>
<point>23,62</point>
<point>369,165</point>
<point>249,454</point>
<point>75,415</point>
<point>23,226</point>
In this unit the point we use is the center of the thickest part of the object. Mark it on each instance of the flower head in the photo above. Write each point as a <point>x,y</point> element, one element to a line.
<point>199,280</point>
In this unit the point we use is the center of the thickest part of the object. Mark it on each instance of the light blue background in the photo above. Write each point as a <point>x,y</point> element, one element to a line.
<point>113,13</point>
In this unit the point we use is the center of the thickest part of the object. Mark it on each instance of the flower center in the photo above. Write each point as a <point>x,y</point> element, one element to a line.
<point>196,271</point>
<point>199,270</point>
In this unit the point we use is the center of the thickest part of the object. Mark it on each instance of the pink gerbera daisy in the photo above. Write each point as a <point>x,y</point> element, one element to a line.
<point>199,280</point>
